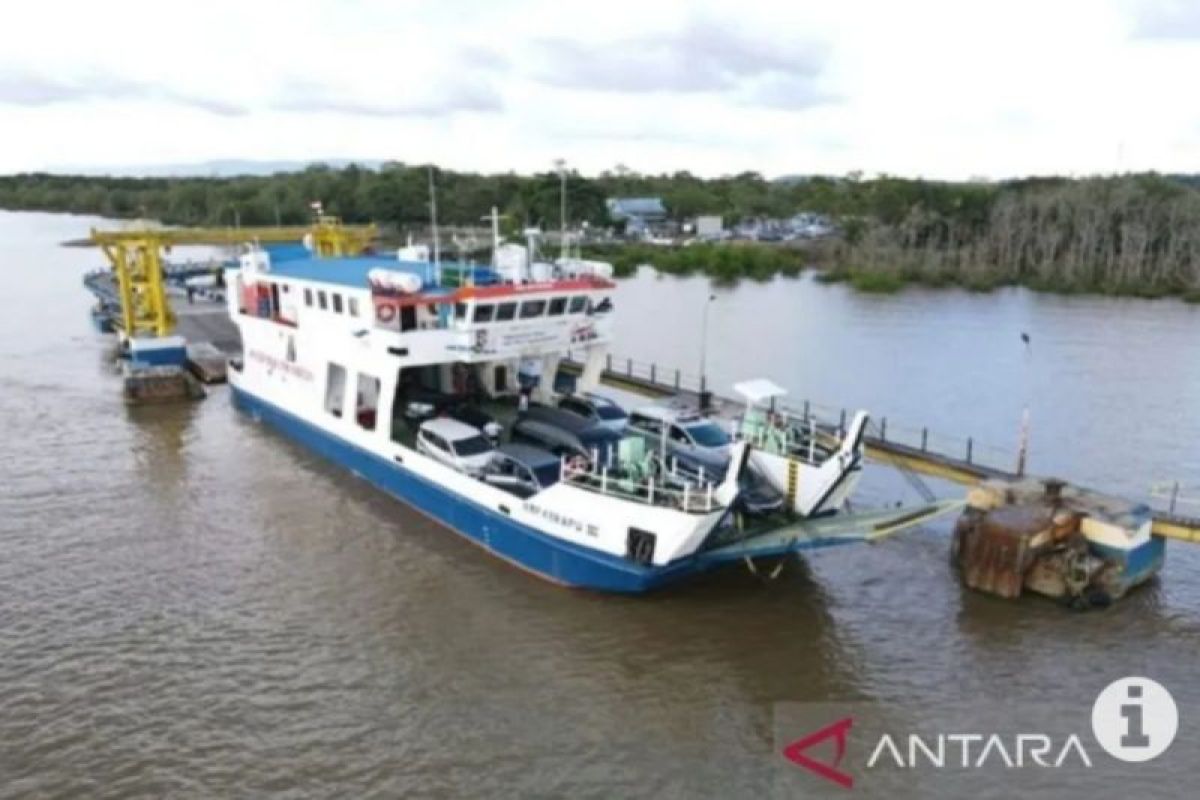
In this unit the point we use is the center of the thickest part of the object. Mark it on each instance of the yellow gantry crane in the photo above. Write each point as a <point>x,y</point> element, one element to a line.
<point>137,263</point>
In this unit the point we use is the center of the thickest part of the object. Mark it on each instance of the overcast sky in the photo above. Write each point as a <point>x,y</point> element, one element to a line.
<point>938,88</point>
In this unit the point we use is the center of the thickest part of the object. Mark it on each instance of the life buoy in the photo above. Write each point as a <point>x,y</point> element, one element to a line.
<point>385,312</point>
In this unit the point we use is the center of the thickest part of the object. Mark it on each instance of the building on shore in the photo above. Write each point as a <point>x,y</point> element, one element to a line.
<point>640,215</point>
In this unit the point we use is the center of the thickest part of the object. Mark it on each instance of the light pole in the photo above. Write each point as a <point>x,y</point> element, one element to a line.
<point>561,165</point>
<point>1023,438</point>
<point>704,352</point>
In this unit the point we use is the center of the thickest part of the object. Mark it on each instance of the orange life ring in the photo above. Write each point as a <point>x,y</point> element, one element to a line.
<point>385,312</point>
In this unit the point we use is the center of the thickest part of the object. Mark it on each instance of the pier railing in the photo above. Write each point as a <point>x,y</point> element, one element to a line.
<point>892,438</point>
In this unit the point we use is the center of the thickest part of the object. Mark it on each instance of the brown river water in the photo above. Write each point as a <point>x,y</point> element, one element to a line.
<point>192,606</point>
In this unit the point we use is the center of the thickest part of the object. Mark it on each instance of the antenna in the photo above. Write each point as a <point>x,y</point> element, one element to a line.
<point>495,219</point>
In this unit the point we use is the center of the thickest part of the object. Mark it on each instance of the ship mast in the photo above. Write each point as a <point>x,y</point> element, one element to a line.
<point>437,250</point>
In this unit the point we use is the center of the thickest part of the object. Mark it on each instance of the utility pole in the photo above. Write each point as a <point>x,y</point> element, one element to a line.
<point>704,352</point>
<point>561,164</point>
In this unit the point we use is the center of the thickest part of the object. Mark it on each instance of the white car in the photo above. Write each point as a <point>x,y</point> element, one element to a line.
<point>455,444</point>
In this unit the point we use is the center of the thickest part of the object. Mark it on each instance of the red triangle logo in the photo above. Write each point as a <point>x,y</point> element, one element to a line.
<point>795,752</point>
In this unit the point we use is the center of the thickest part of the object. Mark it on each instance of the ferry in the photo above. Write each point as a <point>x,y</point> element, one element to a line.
<point>408,371</point>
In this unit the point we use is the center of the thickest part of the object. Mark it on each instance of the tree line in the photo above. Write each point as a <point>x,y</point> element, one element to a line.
<point>1131,234</point>
<point>398,194</point>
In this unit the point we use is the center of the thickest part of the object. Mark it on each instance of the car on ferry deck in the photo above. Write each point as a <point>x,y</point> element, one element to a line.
<point>522,469</point>
<point>476,417</point>
<point>597,408</point>
<point>456,445</point>
<point>566,434</point>
<point>688,434</point>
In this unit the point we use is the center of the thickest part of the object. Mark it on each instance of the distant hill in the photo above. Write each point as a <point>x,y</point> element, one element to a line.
<point>222,168</point>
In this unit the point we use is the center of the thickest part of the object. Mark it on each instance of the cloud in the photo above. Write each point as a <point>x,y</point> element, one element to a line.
<point>700,57</point>
<point>441,100</point>
<point>785,92</point>
<point>23,88</point>
<point>1167,19</point>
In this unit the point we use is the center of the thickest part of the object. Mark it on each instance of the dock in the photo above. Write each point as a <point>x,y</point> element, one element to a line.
<point>914,451</point>
<point>1018,533</point>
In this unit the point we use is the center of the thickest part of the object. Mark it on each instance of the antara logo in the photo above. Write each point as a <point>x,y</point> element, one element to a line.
<point>1133,719</point>
<point>839,731</point>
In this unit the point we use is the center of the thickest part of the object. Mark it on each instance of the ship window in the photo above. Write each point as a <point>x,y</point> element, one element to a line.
<point>557,306</point>
<point>352,303</point>
<point>287,288</point>
<point>335,389</point>
<point>321,301</point>
<point>308,297</point>
<point>367,403</point>
<point>484,313</point>
<point>337,303</point>
<point>532,308</point>
<point>577,303</point>
<point>460,310</point>
<point>505,312</point>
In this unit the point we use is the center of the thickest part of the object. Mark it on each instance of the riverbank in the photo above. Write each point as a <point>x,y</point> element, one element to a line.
<point>835,261</point>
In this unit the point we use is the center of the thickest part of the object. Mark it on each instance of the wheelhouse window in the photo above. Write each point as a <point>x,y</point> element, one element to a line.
<point>505,312</point>
<point>322,301</point>
<point>337,303</point>
<point>532,308</point>
<point>485,313</point>
<point>558,306</point>
<point>578,303</point>
<point>335,389</point>
<point>308,297</point>
<point>460,311</point>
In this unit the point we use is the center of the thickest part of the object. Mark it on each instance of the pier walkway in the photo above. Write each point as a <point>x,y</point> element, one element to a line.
<point>912,451</point>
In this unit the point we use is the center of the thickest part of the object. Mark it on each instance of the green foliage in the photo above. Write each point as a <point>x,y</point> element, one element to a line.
<point>724,263</point>
<point>1135,234</point>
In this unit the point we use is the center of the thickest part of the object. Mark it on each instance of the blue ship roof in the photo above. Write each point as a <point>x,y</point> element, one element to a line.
<point>352,271</point>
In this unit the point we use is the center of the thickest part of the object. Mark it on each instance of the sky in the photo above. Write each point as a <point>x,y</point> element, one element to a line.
<point>949,89</point>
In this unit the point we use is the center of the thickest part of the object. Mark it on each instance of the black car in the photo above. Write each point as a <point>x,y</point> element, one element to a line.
<point>564,433</point>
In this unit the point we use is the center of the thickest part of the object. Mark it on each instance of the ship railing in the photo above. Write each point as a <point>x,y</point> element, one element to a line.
<point>685,496</point>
